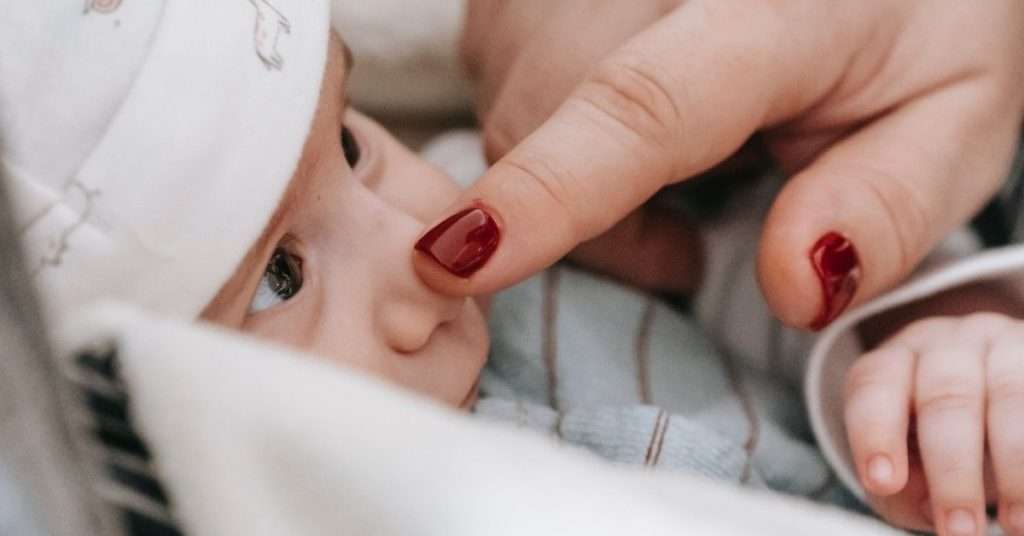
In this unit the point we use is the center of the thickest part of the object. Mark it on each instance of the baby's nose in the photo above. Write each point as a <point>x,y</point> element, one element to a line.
<point>408,312</point>
<point>408,325</point>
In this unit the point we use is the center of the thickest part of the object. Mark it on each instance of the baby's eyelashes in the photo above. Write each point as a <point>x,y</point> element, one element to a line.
<point>281,280</point>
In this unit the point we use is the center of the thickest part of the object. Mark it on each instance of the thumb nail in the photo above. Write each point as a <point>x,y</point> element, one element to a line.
<point>835,261</point>
<point>463,242</point>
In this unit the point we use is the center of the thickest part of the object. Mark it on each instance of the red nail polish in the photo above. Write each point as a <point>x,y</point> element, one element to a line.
<point>463,242</point>
<point>835,261</point>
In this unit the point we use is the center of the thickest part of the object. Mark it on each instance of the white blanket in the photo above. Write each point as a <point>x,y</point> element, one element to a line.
<point>252,439</point>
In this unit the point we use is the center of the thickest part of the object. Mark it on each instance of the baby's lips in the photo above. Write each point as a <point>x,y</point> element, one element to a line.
<point>462,243</point>
<point>835,261</point>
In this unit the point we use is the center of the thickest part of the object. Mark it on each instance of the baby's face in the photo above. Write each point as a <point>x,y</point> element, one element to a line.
<point>332,272</point>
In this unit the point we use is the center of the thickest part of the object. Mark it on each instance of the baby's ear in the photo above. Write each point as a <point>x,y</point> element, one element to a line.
<point>655,248</point>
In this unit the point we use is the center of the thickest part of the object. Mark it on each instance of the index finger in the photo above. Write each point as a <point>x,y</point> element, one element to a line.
<point>670,103</point>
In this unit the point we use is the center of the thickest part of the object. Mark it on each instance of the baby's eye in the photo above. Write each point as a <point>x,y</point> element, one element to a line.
<point>350,146</point>
<point>281,280</point>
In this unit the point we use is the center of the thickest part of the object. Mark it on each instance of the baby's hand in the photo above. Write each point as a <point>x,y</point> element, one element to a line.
<point>922,409</point>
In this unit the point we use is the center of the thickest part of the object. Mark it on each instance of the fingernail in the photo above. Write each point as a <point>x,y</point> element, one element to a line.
<point>463,243</point>
<point>880,469</point>
<point>835,261</point>
<point>960,522</point>
<point>1014,517</point>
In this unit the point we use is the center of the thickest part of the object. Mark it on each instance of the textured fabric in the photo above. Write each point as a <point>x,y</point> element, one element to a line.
<point>248,438</point>
<point>602,366</point>
<point>147,143</point>
<point>39,471</point>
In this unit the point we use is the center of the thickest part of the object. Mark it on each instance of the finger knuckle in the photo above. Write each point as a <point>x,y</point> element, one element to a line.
<point>904,209</point>
<point>948,397</point>
<point>636,98</point>
<point>866,377</point>
<point>538,180</point>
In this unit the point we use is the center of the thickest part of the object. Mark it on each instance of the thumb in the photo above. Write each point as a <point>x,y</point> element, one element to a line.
<point>866,212</point>
<point>658,109</point>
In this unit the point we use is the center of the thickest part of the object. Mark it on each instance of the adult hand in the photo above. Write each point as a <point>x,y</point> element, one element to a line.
<point>899,119</point>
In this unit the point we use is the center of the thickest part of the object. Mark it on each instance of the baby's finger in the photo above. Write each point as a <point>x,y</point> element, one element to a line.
<point>877,407</point>
<point>1005,432</point>
<point>949,407</point>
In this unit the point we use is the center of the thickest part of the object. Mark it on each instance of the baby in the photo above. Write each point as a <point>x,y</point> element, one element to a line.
<point>633,379</point>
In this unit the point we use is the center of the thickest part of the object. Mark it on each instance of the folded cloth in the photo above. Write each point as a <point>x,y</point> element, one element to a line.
<point>612,369</point>
<point>248,438</point>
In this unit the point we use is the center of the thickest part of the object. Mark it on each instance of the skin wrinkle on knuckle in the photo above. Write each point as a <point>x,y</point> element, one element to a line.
<point>542,179</point>
<point>948,398</point>
<point>635,100</point>
<point>866,378</point>
<point>903,210</point>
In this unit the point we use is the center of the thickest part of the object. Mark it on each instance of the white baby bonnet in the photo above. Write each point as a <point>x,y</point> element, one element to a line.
<point>146,143</point>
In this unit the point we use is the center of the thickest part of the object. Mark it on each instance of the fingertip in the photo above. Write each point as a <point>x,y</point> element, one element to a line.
<point>786,289</point>
<point>438,278</point>
<point>785,264</point>
<point>884,474</point>
<point>880,475</point>
<point>960,522</point>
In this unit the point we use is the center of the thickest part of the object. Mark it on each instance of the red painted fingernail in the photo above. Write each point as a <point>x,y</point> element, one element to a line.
<point>835,261</point>
<point>463,242</point>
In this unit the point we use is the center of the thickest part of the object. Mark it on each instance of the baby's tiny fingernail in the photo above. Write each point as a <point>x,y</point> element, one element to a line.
<point>961,522</point>
<point>880,469</point>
